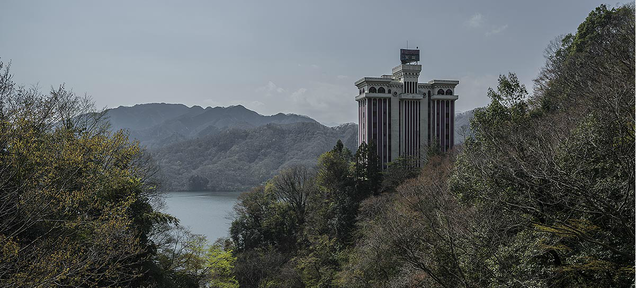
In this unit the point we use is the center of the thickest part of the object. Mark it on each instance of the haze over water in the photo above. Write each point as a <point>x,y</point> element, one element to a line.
<point>206,213</point>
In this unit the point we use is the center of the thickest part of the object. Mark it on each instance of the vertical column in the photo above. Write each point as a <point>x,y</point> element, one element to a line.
<point>395,127</point>
<point>452,116</point>
<point>378,131</point>
<point>406,127</point>
<point>418,126</point>
<point>390,130</point>
<point>434,118</point>
<point>369,117</point>
<point>414,133</point>
<point>423,126</point>
<point>443,126</point>
<point>401,135</point>
<point>437,107</point>
<point>387,131</point>
<point>360,123</point>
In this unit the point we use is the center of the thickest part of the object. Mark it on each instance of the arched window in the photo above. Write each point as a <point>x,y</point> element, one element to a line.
<point>440,92</point>
<point>429,93</point>
<point>449,92</point>
<point>389,91</point>
<point>381,90</point>
<point>372,90</point>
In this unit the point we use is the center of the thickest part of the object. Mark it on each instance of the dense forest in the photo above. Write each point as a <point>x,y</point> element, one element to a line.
<point>237,159</point>
<point>231,148</point>
<point>224,148</point>
<point>541,194</point>
<point>78,202</point>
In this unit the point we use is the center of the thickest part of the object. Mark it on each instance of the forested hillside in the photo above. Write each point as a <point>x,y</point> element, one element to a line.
<point>237,159</point>
<point>541,194</point>
<point>159,124</point>
<point>231,148</point>
<point>224,148</point>
<point>462,126</point>
<point>77,202</point>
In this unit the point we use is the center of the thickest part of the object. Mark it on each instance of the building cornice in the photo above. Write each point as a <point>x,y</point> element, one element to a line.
<point>373,80</point>
<point>437,82</point>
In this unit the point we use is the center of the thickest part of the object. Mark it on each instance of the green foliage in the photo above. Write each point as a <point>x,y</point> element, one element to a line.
<point>541,195</point>
<point>240,158</point>
<point>558,170</point>
<point>220,263</point>
<point>417,236</point>
<point>74,198</point>
<point>186,260</point>
<point>398,172</point>
<point>303,221</point>
<point>262,221</point>
<point>367,171</point>
<point>75,204</point>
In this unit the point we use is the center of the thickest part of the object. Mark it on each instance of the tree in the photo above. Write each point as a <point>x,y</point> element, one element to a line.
<point>367,171</point>
<point>560,166</point>
<point>420,236</point>
<point>220,263</point>
<point>198,183</point>
<point>294,186</point>
<point>74,198</point>
<point>398,172</point>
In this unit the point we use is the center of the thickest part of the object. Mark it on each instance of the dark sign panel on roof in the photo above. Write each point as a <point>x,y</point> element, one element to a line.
<point>409,55</point>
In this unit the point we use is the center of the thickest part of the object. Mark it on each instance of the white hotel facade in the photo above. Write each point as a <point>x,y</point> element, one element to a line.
<point>403,116</point>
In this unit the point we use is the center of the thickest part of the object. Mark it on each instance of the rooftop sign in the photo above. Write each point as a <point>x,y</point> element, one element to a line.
<point>409,55</point>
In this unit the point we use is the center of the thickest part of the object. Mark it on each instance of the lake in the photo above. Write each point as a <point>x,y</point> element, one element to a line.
<point>206,213</point>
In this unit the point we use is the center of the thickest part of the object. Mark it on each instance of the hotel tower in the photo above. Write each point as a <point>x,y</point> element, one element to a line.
<point>402,116</point>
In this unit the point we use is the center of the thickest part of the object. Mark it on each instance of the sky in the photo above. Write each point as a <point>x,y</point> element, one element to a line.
<point>299,57</point>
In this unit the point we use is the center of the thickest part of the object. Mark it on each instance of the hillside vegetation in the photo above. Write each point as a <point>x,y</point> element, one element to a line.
<point>77,202</point>
<point>237,159</point>
<point>224,148</point>
<point>541,194</point>
<point>158,125</point>
<point>231,148</point>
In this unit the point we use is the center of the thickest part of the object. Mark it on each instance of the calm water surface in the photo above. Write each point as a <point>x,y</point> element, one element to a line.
<point>206,213</point>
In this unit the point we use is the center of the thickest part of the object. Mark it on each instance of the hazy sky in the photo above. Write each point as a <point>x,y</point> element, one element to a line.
<point>274,56</point>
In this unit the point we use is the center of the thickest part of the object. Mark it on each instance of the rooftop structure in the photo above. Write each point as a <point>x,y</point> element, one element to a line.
<point>403,116</point>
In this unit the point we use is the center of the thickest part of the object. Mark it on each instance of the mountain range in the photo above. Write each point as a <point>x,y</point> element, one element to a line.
<point>158,124</point>
<point>225,148</point>
<point>230,148</point>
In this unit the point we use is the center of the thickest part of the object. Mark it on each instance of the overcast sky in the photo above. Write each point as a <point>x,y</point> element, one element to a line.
<point>274,56</point>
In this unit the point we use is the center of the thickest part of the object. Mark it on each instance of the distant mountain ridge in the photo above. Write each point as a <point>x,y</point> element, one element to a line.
<point>156,125</point>
<point>232,148</point>
<point>225,148</point>
<point>238,159</point>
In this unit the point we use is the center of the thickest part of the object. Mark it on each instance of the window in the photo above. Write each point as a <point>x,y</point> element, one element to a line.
<point>449,92</point>
<point>440,92</point>
<point>389,91</point>
<point>372,90</point>
<point>381,90</point>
